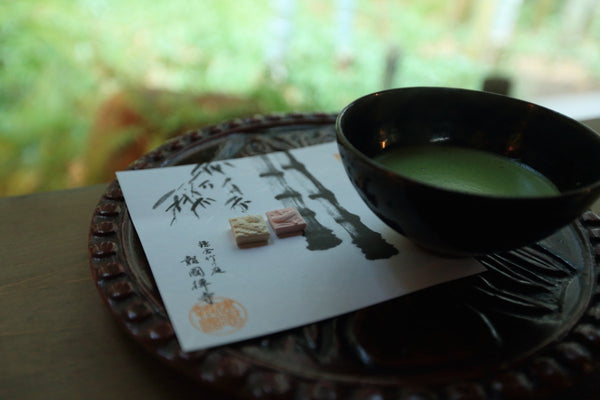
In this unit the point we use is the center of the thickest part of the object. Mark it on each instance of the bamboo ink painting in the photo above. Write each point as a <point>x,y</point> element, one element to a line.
<point>217,293</point>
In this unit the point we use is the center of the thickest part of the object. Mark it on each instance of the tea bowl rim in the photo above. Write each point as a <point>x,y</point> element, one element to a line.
<point>342,140</point>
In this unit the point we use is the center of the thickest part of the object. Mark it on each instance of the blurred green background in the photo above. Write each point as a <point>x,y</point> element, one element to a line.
<point>85,85</point>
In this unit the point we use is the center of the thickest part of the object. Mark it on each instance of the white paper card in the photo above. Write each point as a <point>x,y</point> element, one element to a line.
<point>216,293</point>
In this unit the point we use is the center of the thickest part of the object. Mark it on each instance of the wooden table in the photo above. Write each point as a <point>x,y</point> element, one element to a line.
<point>57,338</point>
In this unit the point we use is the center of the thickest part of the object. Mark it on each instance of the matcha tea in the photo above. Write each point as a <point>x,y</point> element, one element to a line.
<point>467,170</point>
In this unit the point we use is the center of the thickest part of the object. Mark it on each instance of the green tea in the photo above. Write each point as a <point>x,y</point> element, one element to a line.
<point>467,170</point>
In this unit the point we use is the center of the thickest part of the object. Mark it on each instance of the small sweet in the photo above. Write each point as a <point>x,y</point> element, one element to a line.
<point>286,221</point>
<point>249,231</point>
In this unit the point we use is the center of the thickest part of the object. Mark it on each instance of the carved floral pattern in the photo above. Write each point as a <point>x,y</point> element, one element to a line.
<point>528,327</point>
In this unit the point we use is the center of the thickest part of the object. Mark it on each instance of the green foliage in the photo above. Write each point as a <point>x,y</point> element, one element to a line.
<point>61,59</point>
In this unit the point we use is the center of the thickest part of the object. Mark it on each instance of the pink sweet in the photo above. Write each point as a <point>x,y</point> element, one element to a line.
<point>286,221</point>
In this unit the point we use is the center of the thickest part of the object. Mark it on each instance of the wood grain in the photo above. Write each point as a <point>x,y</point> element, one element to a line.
<point>57,339</point>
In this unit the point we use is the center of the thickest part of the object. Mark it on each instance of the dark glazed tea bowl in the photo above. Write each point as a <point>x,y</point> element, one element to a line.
<point>458,223</point>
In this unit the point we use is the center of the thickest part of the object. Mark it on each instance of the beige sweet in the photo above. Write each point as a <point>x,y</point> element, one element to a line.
<point>286,221</point>
<point>249,231</point>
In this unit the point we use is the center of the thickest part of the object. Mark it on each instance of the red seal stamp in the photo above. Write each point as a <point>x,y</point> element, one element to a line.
<point>222,316</point>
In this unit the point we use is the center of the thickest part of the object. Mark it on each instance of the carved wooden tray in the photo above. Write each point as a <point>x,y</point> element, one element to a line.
<point>529,327</point>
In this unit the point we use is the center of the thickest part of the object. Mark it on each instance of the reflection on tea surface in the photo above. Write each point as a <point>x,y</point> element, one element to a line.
<point>467,170</point>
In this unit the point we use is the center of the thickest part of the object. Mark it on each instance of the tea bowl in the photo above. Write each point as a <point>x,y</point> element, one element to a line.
<point>454,222</point>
